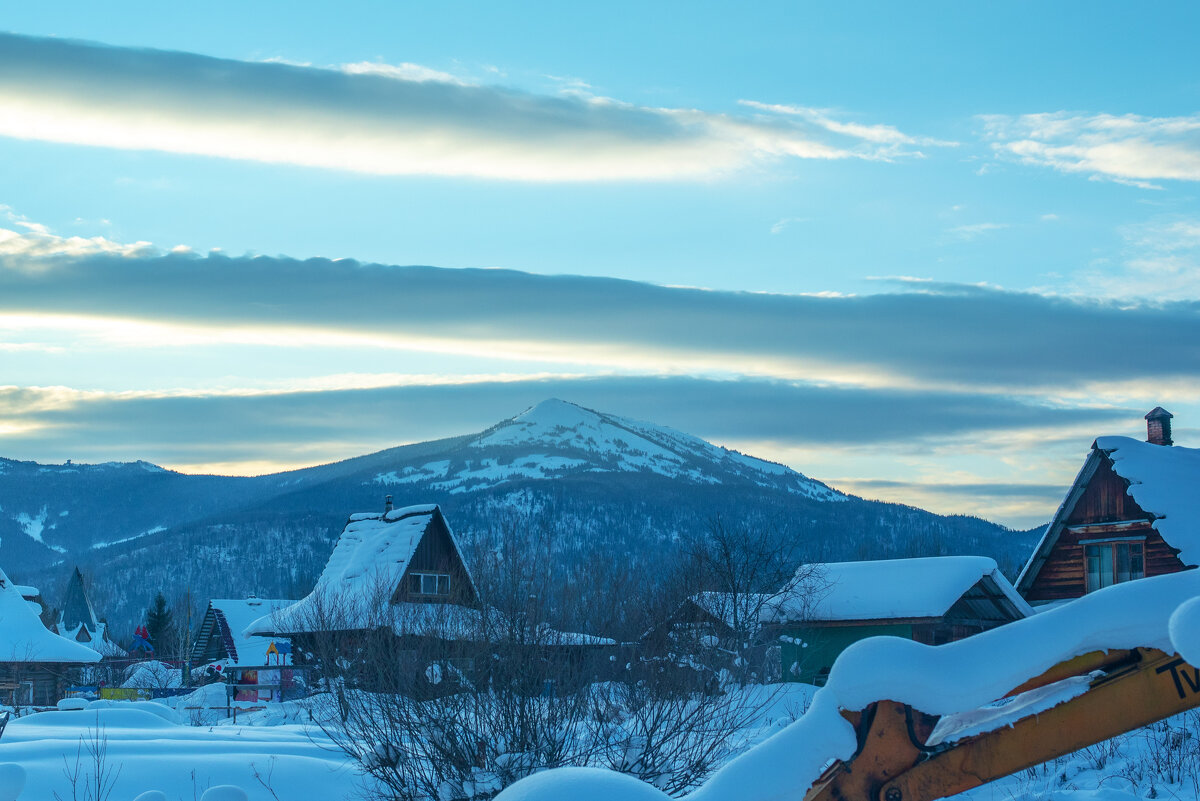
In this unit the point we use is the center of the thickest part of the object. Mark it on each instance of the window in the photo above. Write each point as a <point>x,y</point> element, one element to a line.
<point>429,583</point>
<point>1111,563</point>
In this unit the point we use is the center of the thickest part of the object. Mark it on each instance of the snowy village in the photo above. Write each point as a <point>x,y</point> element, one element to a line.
<point>567,402</point>
<point>407,667</point>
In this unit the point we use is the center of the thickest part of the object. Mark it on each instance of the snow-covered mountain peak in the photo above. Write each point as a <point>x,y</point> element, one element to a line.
<point>556,438</point>
<point>558,423</point>
<point>546,419</point>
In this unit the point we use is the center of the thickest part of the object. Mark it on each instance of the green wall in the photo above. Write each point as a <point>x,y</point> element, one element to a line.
<point>821,646</point>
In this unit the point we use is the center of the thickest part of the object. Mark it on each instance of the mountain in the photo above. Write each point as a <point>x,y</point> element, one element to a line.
<point>606,487</point>
<point>556,439</point>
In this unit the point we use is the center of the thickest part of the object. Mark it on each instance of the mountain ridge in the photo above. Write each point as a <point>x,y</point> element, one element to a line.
<point>609,487</point>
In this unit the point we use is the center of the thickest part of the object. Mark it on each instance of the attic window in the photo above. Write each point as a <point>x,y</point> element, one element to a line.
<point>429,583</point>
<point>1112,563</point>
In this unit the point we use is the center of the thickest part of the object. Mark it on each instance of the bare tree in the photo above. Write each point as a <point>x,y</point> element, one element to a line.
<point>445,701</point>
<point>743,570</point>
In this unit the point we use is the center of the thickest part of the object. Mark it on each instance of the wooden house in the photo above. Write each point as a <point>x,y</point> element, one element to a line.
<point>384,566</point>
<point>78,621</point>
<point>932,600</point>
<point>36,665</point>
<point>1132,511</point>
<point>396,602</point>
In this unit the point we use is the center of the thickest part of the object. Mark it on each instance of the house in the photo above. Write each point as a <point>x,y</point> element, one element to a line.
<point>397,603</point>
<point>932,600</point>
<point>250,660</point>
<point>77,621</point>
<point>222,637</point>
<point>1132,511</point>
<point>717,627</point>
<point>395,590</point>
<point>36,664</point>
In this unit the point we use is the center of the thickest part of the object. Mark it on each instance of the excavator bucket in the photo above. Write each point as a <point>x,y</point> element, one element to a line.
<point>906,755</point>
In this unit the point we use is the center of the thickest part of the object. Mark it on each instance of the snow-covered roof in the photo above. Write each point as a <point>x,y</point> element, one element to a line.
<point>23,638</point>
<point>237,615</point>
<point>362,573</point>
<point>1164,480</point>
<point>887,589</point>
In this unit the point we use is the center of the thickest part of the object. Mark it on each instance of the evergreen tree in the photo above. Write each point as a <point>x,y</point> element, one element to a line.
<point>160,623</point>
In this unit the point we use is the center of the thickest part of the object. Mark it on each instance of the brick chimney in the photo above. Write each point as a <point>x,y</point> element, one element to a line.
<point>387,502</point>
<point>1158,426</point>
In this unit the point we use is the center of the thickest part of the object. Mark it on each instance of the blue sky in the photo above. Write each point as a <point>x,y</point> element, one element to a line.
<point>935,208</point>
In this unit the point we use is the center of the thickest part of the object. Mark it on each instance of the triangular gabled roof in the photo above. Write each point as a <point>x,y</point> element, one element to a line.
<point>894,589</point>
<point>23,637</point>
<point>78,621</point>
<point>367,565</point>
<point>1163,480</point>
<point>77,607</point>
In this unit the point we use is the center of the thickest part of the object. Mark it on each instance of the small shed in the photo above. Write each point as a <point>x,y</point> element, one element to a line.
<point>258,666</point>
<point>222,636</point>
<point>1133,511</point>
<point>932,600</point>
<point>36,665</point>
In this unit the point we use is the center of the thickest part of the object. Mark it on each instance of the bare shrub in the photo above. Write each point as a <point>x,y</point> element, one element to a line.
<point>91,776</point>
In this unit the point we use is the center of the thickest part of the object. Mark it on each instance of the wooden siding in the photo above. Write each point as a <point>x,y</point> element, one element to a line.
<point>1106,499</point>
<point>436,553</point>
<point>46,683</point>
<point>1105,510</point>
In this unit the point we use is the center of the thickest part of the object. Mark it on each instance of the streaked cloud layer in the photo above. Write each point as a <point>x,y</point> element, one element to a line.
<point>937,337</point>
<point>894,386</point>
<point>1121,147</point>
<point>389,119</point>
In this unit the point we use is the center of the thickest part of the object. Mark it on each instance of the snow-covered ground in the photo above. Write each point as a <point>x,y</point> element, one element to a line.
<point>156,748</point>
<point>151,747</point>
<point>279,754</point>
<point>164,746</point>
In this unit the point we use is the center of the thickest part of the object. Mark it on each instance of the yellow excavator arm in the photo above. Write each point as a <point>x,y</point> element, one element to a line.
<point>1118,691</point>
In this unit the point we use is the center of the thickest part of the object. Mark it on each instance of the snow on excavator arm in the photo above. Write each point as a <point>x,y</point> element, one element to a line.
<point>1108,693</point>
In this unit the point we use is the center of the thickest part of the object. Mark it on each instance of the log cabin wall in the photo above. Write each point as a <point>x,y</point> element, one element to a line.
<point>1105,510</point>
<point>32,683</point>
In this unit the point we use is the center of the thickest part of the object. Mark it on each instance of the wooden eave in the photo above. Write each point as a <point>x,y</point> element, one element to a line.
<point>1050,538</point>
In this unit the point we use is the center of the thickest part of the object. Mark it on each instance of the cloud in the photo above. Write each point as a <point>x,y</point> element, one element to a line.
<point>296,428</point>
<point>974,230</point>
<point>401,72</point>
<point>1161,259</point>
<point>1125,148</point>
<point>884,135</point>
<point>995,490</point>
<point>784,223</point>
<point>928,335</point>
<point>36,240</point>
<point>385,119</point>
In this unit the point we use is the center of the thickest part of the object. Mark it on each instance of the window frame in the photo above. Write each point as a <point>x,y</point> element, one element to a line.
<point>1112,545</point>
<point>417,584</point>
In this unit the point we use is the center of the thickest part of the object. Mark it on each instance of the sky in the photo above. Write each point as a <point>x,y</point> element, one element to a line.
<point>922,252</point>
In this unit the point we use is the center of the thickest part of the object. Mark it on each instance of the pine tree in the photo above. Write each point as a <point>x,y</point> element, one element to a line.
<point>160,623</point>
